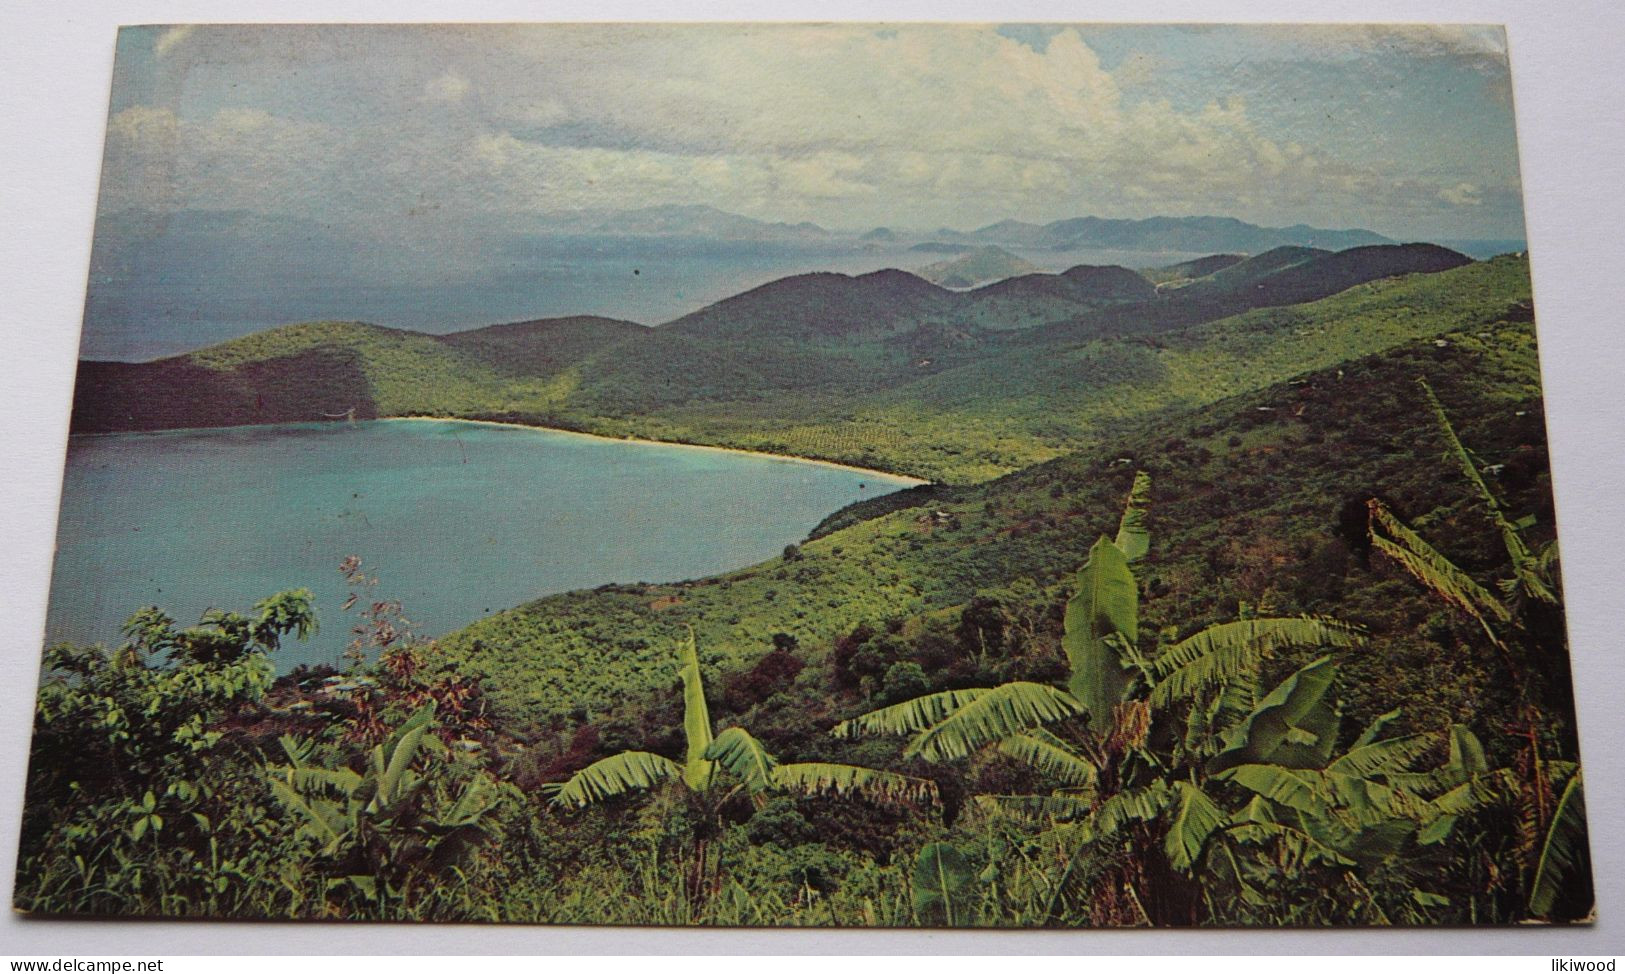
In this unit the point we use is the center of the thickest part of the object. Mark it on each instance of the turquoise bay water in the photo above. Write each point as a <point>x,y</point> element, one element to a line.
<point>456,520</point>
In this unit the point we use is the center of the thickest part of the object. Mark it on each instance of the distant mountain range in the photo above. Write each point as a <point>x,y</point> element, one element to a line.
<point>1193,234</point>
<point>1197,234</point>
<point>124,234</point>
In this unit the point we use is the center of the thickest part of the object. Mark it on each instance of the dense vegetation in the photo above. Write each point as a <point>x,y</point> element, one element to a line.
<point>1285,685</point>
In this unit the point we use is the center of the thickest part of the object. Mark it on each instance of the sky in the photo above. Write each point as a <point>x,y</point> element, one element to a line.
<point>436,136</point>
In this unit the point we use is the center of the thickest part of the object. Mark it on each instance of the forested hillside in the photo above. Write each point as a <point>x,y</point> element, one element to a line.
<point>1241,611</point>
<point>1270,478</point>
<point>882,370</point>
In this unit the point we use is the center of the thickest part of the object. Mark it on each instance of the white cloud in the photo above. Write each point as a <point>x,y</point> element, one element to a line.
<point>171,38</point>
<point>953,121</point>
<point>1462,194</point>
<point>845,124</point>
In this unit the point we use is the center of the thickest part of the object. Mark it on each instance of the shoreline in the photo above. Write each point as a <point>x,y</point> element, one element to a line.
<point>903,479</point>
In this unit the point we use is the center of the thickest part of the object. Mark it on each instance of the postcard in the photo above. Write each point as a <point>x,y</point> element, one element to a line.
<point>919,475</point>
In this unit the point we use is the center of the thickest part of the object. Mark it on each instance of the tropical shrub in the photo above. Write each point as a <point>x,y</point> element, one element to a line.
<point>404,820</point>
<point>138,800</point>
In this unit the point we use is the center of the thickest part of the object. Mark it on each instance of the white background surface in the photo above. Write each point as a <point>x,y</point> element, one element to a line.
<point>1568,58</point>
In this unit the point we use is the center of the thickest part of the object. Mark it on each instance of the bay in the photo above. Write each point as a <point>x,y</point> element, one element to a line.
<point>456,520</point>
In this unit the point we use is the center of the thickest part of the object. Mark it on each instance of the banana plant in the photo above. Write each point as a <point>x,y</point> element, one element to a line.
<point>1108,675</point>
<point>1533,581</point>
<point>723,765</point>
<point>381,829</point>
<point>1274,802</point>
<point>1143,772</point>
<point>1515,619</point>
<point>716,768</point>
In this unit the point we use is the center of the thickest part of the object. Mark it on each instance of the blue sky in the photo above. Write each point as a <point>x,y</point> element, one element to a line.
<point>441,135</point>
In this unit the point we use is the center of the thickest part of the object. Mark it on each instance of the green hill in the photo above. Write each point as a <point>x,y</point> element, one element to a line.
<point>881,369</point>
<point>1253,501</point>
<point>328,369</point>
<point>1190,270</point>
<point>546,346</point>
<point>823,305</point>
<point>1009,405</point>
<point>979,266</point>
<point>1252,269</point>
<point>1291,275</point>
<point>1286,275</point>
<point>1034,299</point>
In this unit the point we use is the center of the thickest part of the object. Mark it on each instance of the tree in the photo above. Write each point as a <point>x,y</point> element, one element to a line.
<point>133,786</point>
<point>1101,637</point>
<point>1524,625</point>
<point>1180,750</point>
<point>717,768</point>
<point>747,764</point>
<point>115,720</point>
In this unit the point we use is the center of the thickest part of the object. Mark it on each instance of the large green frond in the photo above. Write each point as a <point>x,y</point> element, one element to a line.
<point>1225,652</point>
<point>1044,751</point>
<point>479,796</point>
<point>1381,757</point>
<point>1525,567</point>
<point>1143,804</point>
<point>398,755</point>
<point>298,749</point>
<point>323,827</point>
<point>313,779</point>
<point>1434,570</point>
<point>819,778</point>
<point>1106,604</point>
<point>941,879</point>
<point>616,775</point>
<point>1133,539</point>
<point>744,757</point>
<point>910,716</point>
<point>1195,818</point>
<point>1297,790</point>
<point>1367,803</point>
<point>1294,726</point>
<point>1466,752</point>
<point>1467,764</point>
<point>1479,791</point>
<point>1005,710</point>
<point>696,719</point>
<point>1562,884</point>
<point>1375,728</point>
